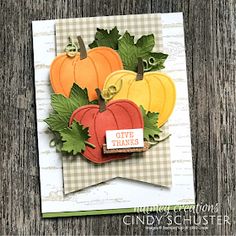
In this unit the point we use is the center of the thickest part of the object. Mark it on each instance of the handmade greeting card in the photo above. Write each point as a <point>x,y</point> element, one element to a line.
<point>112,114</point>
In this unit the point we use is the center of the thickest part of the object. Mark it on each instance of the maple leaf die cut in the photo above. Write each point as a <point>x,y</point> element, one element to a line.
<point>130,51</point>
<point>67,139</point>
<point>151,129</point>
<point>75,138</point>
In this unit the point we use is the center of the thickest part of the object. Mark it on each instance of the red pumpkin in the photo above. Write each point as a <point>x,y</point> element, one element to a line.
<point>118,114</point>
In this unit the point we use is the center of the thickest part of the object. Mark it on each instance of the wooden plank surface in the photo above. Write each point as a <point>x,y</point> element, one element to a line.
<point>210,29</point>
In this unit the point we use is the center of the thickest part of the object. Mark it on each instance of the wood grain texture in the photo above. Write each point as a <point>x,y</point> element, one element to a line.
<point>210,29</point>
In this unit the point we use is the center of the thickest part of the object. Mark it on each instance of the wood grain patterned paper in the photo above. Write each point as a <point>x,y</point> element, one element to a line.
<point>111,195</point>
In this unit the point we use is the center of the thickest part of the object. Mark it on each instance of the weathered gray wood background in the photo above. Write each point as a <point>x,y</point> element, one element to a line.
<point>210,28</point>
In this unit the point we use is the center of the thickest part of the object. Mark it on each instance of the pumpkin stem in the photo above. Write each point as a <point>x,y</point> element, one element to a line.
<point>83,52</point>
<point>139,69</point>
<point>101,101</point>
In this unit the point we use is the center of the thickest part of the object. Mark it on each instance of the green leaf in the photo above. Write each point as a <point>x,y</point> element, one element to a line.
<point>78,96</point>
<point>93,44</point>
<point>151,128</point>
<point>74,138</point>
<point>63,107</point>
<point>154,61</point>
<point>130,52</point>
<point>57,122</point>
<point>145,44</point>
<point>94,102</point>
<point>106,38</point>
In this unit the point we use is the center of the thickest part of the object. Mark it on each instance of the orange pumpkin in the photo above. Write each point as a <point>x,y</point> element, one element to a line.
<point>87,69</point>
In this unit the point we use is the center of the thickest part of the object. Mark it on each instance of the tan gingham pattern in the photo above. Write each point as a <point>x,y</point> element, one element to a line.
<point>153,166</point>
<point>137,25</point>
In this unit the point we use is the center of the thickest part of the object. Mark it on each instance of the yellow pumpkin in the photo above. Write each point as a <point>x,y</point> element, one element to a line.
<point>155,91</point>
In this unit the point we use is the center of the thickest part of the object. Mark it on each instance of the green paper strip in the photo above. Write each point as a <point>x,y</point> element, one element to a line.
<point>108,212</point>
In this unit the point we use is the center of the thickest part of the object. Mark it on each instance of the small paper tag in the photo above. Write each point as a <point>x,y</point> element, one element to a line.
<point>125,138</point>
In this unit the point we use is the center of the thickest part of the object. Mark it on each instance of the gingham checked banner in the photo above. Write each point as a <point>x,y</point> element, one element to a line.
<point>152,166</point>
